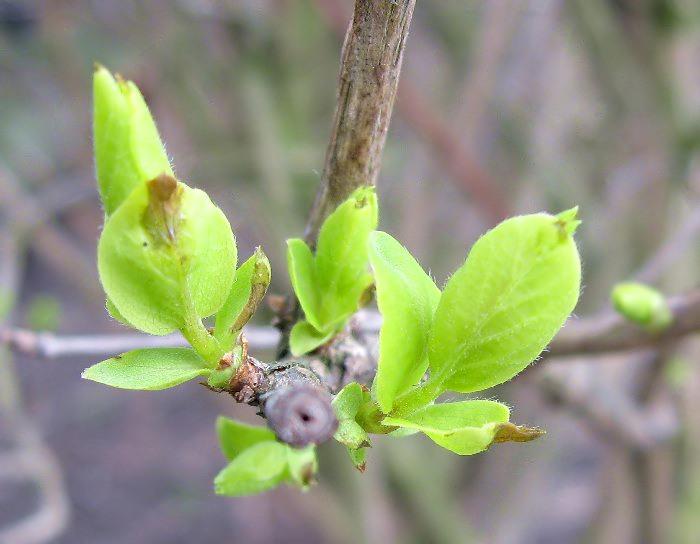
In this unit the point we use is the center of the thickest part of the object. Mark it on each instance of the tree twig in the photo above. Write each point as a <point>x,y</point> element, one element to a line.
<point>53,346</point>
<point>369,76</point>
<point>458,160</point>
<point>611,332</point>
<point>587,336</point>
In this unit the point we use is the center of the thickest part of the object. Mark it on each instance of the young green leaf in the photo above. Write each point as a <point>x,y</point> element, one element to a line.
<point>642,304</point>
<point>299,465</point>
<point>331,285</point>
<point>407,298</point>
<point>248,289</point>
<point>341,260</point>
<point>302,274</point>
<point>256,469</point>
<point>128,150</point>
<point>346,405</point>
<point>152,369</point>
<point>147,149</point>
<point>112,309</point>
<point>349,400</point>
<point>304,338</point>
<point>503,306</point>
<point>236,436</point>
<point>302,466</point>
<point>166,253</point>
<point>358,458</point>
<point>466,427</point>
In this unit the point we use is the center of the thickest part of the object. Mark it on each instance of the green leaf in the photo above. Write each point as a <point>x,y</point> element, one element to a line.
<point>248,289</point>
<point>302,465</point>
<point>112,309</point>
<point>304,338</point>
<point>147,149</point>
<point>466,427</point>
<point>504,305</point>
<point>642,304</point>
<point>256,469</point>
<point>166,253</point>
<point>299,466</point>
<point>332,284</point>
<point>407,298</point>
<point>349,400</point>
<point>351,434</point>
<point>151,369</point>
<point>341,256</point>
<point>346,405</point>
<point>358,458</point>
<point>236,437</point>
<point>302,274</point>
<point>128,150</point>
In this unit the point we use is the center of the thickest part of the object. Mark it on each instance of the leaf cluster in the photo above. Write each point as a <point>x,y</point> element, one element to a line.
<point>167,259</point>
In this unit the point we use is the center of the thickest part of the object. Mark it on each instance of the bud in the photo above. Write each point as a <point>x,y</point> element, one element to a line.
<point>642,304</point>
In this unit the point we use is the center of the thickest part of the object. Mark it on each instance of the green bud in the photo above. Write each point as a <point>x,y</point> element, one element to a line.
<point>247,291</point>
<point>642,304</point>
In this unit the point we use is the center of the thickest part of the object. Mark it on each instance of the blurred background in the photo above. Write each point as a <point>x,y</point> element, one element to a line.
<point>505,106</point>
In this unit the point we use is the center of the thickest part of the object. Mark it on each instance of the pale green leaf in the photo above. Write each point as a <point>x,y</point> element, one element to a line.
<point>248,289</point>
<point>154,272</point>
<point>147,149</point>
<point>236,436</point>
<point>302,465</point>
<point>117,175</point>
<point>112,309</point>
<point>407,298</point>
<point>349,400</point>
<point>504,305</point>
<point>152,369</point>
<point>128,149</point>
<point>346,405</point>
<point>341,260</point>
<point>256,469</point>
<point>465,427</point>
<point>351,434</point>
<point>304,338</point>
<point>300,262</point>
<point>358,458</point>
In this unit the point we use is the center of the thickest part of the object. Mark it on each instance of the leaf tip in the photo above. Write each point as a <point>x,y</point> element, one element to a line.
<point>567,222</point>
<point>509,432</point>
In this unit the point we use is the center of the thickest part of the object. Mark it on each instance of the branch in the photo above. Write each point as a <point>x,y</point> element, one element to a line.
<point>52,346</point>
<point>588,336</point>
<point>458,159</point>
<point>611,332</point>
<point>369,75</point>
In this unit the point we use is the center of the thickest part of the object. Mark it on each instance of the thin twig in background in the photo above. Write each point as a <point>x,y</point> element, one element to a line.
<point>33,223</point>
<point>29,458</point>
<point>588,336</point>
<point>612,332</point>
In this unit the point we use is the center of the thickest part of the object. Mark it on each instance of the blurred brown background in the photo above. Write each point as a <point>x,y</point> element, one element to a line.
<point>505,106</point>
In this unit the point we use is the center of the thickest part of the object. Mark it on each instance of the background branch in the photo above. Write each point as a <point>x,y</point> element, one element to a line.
<point>611,332</point>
